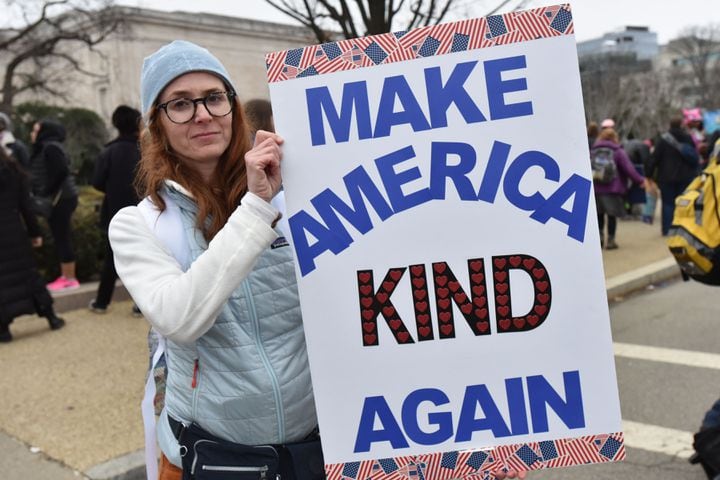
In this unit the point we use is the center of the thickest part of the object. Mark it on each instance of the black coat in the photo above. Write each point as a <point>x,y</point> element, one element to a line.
<point>114,175</point>
<point>22,290</point>
<point>667,165</point>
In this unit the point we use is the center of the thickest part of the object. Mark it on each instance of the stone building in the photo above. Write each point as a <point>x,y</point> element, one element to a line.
<point>239,43</point>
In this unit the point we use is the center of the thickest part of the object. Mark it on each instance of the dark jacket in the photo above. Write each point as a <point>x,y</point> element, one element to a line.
<point>50,165</point>
<point>114,175</point>
<point>22,290</point>
<point>667,164</point>
<point>618,186</point>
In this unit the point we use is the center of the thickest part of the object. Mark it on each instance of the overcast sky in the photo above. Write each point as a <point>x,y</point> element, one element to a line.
<point>592,17</point>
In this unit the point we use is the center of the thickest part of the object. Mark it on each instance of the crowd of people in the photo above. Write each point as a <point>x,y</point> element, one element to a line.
<point>629,176</point>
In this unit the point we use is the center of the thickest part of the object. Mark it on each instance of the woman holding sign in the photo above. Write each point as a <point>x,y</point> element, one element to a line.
<point>202,260</point>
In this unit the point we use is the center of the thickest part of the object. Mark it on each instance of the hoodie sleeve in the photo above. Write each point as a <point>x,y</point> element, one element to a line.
<point>184,305</point>
<point>56,165</point>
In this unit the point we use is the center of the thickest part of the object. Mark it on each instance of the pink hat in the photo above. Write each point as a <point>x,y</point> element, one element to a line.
<point>607,123</point>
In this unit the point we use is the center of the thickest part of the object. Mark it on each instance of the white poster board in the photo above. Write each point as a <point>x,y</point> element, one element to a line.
<point>440,201</point>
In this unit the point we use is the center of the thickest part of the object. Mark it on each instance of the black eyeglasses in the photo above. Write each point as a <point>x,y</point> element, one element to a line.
<point>182,110</point>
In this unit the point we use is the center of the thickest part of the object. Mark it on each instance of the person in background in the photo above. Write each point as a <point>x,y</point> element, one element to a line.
<point>51,177</point>
<point>17,148</point>
<point>593,129</point>
<point>114,175</point>
<point>258,112</point>
<point>638,153</point>
<point>22,289</point>
<point>673,166</point>
<point>609,197</point>
<point>607,123</point>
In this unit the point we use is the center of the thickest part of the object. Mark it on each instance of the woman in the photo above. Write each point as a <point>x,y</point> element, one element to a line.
<point>199,256</point>
<point>609,192</point>
<point>51,178</point>
<point>22,290</point>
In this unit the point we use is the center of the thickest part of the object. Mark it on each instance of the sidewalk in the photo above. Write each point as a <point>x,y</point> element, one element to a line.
<point>74,394</point>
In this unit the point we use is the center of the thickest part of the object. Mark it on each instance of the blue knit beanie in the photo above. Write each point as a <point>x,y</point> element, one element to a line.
<point>171,61</point>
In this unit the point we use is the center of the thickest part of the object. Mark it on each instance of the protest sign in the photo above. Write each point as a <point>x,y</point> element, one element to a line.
<point>440,204</point>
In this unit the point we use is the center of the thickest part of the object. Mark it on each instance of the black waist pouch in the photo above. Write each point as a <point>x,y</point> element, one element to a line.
<point>207,457</point>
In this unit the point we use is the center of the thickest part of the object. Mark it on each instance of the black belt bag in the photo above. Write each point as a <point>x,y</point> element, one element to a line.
<point>207,457</point>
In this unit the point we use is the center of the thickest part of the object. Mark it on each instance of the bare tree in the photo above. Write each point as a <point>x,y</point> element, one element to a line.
<point>358,18</point>
<point>46,33</point>
<point>698,54</point>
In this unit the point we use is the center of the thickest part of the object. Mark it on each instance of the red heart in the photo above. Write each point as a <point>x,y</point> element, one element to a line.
<point>529,263</point>
<point>369,339</point>
<point>368,327</point>
<point>446,329</point>
<point>533,319</point>
<point>418,282</point>
<point>501,287</point>
<point>466,308</point>
<point>543,297</point>
<point>478,290</point>
<point>364,277</point>
<point>388,311</point>
<point>395,324</point>
<point>366,302</point>
<point>482,326</point>
<point>541,285</point>
<point>519,322</point>
<point>444,303</point>
<point>503,311</point>
<point>454,286</point>
<point>540,309</point>
<point>538,272</point>
<point>515,260</point>
<point>477,277</point>
<point>445,316</point>
<point>460,297</point>
<point>439,267</point>
<point>420,294</point>
<point>368,314</point>
<point>441,280</point>
<point>366,289</point>
<point>502,299</point>
<point>396,274</point>
<point>481,312</point>
<point>500,263</point>
<point>504,323</point>
<point>443,292</point>
<point>423,318</point>
<point>480,301</point>
<point>424,331</point>
<point>476,265</point>
<point>382,297</point>
<point>403,336</point>
<point>421,306</point>
<point>388,286</point>
<point>417,270</point>
<point>500,276</point>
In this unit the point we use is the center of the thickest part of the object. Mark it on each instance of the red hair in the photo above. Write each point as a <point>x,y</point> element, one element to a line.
<point>216,199</point>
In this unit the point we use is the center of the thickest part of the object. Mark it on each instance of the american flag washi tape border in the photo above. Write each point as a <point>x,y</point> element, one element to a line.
<point>479,464</point>
<point>427,41</point>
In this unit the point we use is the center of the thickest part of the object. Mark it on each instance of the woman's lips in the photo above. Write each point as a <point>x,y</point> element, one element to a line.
<point>204,135</point>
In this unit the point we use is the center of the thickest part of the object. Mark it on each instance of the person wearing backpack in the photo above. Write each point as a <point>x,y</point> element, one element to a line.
<point>611,171</point>
<point>673,163</point>
<point>52,178</point>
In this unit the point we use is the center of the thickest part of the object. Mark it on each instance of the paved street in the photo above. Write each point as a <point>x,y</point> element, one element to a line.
<point>668,368</point>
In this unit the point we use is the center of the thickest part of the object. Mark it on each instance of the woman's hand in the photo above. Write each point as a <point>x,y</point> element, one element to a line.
<point>36,242</point>
<point>263,165</point>
<point>510,474</point>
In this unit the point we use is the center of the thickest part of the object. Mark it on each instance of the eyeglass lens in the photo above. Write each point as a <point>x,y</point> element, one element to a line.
<point>183,110</point>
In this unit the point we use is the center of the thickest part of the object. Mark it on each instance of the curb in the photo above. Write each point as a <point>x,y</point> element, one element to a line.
<point>640,278</point>
<point>126,467</point>
<point>81,297</point>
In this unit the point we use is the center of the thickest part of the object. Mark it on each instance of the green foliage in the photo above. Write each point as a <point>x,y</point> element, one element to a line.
<point>88,240</point>
<point>86,133</point>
